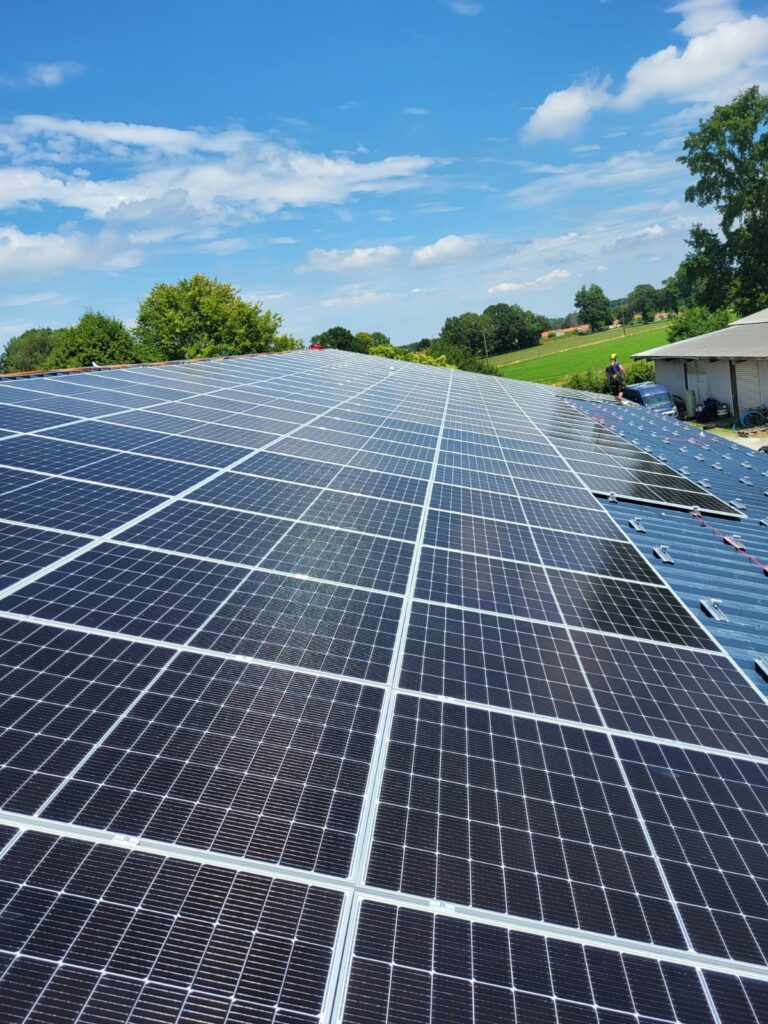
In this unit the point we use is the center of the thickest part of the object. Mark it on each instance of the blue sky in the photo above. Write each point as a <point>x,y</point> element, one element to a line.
<point>376,163</point>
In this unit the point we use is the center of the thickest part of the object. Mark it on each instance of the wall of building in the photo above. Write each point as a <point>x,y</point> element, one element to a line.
<point>670,374</point>
<point>709,379</point>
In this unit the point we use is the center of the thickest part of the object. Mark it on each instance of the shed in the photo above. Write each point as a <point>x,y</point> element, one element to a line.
<point>730,365</point>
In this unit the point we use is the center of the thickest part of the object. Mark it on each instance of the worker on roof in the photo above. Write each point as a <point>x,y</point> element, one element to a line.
<point>616,376</point>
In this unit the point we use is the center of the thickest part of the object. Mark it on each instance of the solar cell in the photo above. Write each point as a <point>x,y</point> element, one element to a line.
<point>510,663</point>
<point>26,550</point>
<point>515,816</point>
<point>474,581</point>
<point>208,531</point>
<point>593,555</point>
<point>142,594</point>
<point>69,505</point>
<point>14,419</point>
<point>94,933</point>
<point>60,692</point>
<point>692,696</point>
<point>283,467</point>
<point>416,966</point>
<point>239,759</point>
<point>258,494</point>
<point>637,610</point>
<point>370,515</point>
<point>706,816</point>
<point>483,536</point>
<point>345,557</point>
<point>306,623</point>
<point>140,472</point>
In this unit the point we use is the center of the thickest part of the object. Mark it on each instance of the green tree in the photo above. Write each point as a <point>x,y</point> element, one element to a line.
<point>697,320</point>
<point>202,317</point>
<point>468,330</point>
<point>342,338</point>
<point>460,356</point>
<point>643,299</point>
<point>705,277</point>
<point>728,154</point>
<point>95,338</point>
<point>365,338</point>
<point>593,306</point>
<point>513,327</point>
<point>29,350</point>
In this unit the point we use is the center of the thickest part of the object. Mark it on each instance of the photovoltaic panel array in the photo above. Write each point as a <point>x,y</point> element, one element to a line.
<point>329,692</point>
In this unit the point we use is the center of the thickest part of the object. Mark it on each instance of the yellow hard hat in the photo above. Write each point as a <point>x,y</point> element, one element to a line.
<point>613,355</point>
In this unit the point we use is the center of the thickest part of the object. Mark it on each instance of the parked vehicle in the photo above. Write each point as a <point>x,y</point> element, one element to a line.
<point>651,396</point>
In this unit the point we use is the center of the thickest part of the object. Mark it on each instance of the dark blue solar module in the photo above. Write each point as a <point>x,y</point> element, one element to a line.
<point>330,692</point>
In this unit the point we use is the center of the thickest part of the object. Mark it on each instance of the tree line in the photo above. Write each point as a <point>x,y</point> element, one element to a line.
<point>198,317</point>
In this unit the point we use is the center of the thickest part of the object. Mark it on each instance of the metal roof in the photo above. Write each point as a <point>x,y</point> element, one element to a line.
<point>760,317</point>
<point>747,340</point>
<point>705,564</point>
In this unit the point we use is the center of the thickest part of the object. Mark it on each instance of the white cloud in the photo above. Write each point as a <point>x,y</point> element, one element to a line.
<point>50,75</point>
<point>701,16</point>
<point>648,234</point>
<point>282,240</point>
<point>416,111</point>
<point>557,181</point>
<point>565,111</point>
<point>448,249</point>
<point>36,253</point>
<point>234,173</point>
<point>724,51</point>
<point>465,8</point>
<point>356,298</point>
<point>334,260</point>
<point>542,281</point>
<point>585,149</point>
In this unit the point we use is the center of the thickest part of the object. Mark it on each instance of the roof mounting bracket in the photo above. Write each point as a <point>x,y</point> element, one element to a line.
<point>763,522</point>
<point>704,482</point>
<point>711,607</point>
<point>761,667</point>
<point>745,480</point>
<point>637,524</point>
<point>716,465</point>
<point>662,553</point>
<point>699,458</point>
<point>734,540</point>
<point>612,496</point>
<point>747,465</point>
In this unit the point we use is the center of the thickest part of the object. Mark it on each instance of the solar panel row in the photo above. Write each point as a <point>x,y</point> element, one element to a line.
<point>363,625</point>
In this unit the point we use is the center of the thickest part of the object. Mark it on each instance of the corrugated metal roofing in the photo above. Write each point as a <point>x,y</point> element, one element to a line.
<point>742,341</point>
<point>706,565</point>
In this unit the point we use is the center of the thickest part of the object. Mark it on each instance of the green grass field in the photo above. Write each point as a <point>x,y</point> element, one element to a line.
<point>549,363</point>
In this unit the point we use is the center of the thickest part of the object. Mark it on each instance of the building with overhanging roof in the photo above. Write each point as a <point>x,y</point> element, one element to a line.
<point>730,365</point>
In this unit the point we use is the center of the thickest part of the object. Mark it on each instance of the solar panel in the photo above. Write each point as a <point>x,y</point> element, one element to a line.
<point>98,933</point>
<point>412,965</point>
<point>329,691</point>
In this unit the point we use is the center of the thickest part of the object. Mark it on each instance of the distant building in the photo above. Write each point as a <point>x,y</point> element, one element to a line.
<point>560,331</point>
<point>730,365</point>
